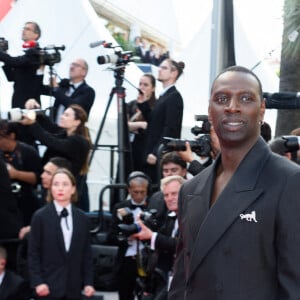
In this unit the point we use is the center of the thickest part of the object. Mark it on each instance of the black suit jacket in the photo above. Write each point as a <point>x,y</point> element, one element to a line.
<point>10,217</point>
<point>22,70</point>
<point>246,246</point>
<point>165,245</point>
<point>66,273</point>
<point>164,120</point>
<point>84,95</point>
<point>13,287</point>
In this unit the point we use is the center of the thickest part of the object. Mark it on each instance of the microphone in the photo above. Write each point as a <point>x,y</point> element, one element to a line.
<point>140,91</point>
<point>96,44</point>
<point>29,44</point>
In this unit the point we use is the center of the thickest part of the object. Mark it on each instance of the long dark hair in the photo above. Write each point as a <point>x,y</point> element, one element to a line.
<point>80,114</point>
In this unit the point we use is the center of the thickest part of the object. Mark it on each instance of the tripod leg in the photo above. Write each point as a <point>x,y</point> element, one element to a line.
<point>101,125</point>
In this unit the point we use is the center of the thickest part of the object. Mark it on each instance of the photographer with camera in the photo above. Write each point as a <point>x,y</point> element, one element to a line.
<point>163,241</point>
<point>24,70</point>
<point>124,218</point>
<point>72,90</point>
<point>23,165</point>
<point>194,165</point>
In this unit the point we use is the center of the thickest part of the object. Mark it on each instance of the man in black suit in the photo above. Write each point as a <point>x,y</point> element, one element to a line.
<point>24,69</point>
<point>165,119</point>
<point>165,240</point>
<point>239,220</point>
<point>12,286</point>
<point>74,90</point>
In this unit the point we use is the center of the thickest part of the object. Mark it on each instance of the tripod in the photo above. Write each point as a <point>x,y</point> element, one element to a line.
<point>123,136</point>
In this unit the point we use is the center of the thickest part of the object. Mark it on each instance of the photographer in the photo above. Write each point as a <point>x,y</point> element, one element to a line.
<point>126,212</point>
<point>73,90</point>
<point>164,241</point>
<point>195,166</point>
<point>24,69</point>
<point>23,165</point>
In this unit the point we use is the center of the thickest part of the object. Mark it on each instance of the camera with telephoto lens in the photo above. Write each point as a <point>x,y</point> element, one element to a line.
<point>118,58</point>
<point>50,55</point>
<point>128,226</point>
<point>3,44</point>
<point>202,143</point>
<point>17,114</point>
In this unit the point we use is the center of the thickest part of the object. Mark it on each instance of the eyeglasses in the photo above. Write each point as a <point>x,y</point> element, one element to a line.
<point>77,65</point>
<point>28,29</point>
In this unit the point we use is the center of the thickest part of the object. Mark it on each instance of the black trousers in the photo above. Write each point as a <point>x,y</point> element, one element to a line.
<point>127,275</point>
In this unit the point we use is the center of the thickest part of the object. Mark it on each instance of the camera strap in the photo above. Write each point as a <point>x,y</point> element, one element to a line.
<point>139,261</point>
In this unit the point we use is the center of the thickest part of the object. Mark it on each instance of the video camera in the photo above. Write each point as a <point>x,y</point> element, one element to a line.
<point>128,226</point>
<point>50,55</point>
<point>201,145</point>
<point>3,44</point>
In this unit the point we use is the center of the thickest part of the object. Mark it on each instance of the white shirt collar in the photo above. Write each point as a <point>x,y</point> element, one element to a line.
<point>77,84</point>
<point>59,208</point>
<point>166,89</point>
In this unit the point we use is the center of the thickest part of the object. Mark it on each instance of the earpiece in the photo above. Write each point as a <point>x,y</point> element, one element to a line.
<point>139,174</point>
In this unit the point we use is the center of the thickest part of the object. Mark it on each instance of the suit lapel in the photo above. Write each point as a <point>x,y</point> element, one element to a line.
<point>76,228</point>
<point>237,196</point>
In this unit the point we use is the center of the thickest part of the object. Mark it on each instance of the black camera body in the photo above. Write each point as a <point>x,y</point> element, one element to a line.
<point>50,55</point>
<point>49,59</point>
<point>201,145</point>
<point>3,44</point>
<point>128,226</point>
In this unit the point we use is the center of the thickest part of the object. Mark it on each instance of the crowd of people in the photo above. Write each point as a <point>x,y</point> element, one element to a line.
<point>149,54</point>
<point>223,225</point>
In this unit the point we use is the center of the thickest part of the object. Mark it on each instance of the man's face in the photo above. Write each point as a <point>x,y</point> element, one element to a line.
<point>77,70</point>
<point>48,171</point>
<point>138,191</point>
<point>28,33</point>
<point>236,108</point>
<point>171,191</point>
<point>165,72</point>
<point>173,169</point>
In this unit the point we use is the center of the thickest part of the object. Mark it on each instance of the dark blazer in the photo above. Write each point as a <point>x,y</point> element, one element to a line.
<point>165,245</point>
<point>164,120</point>
<point>66,273</point>
<point>22,70</point>
<point>84,95</point>
<point>10,217</point>
<point>13,287</point>
<point>224,252</point>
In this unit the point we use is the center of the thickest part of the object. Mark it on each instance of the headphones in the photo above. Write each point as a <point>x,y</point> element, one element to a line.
<point>139,174</point>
